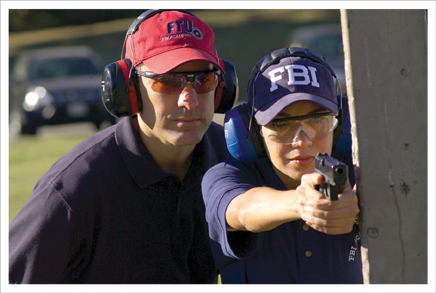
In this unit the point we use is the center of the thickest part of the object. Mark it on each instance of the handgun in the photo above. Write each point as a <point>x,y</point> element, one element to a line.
<point>335,175</point>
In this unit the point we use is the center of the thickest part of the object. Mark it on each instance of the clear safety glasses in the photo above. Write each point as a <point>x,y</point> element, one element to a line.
<point>287,130</point>
<point>174,83</point>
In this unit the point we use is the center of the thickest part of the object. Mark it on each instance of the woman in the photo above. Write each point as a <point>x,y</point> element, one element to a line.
<point>272,223</point>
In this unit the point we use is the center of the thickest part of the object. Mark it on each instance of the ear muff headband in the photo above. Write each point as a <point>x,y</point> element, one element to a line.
<point>147,14</point>
<point>144,16</point>
<point>114,95</point>
<point>275,57</point>
<point>249,145</point>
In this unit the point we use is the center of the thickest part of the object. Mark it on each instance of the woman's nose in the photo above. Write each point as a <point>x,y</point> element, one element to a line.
<point>302,138</point>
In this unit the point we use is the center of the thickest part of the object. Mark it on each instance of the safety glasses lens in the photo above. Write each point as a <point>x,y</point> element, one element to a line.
<point>175,83</point>
<point>315,128</point>
<point>206,82</point>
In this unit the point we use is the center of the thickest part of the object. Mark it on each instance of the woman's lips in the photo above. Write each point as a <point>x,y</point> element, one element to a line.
<point>303,160</point>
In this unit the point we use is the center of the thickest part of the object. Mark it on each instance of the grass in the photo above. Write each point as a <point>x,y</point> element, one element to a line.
<point>31,156</point>
<point>29,159</point>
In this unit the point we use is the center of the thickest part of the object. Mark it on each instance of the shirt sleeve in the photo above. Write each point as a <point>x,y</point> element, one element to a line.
<point>220,185</point>
<point>40,238</point>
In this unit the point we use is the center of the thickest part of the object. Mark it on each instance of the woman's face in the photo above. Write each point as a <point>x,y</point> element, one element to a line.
<point>296,157</point>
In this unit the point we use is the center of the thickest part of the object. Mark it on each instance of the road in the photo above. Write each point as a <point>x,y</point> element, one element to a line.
<point>83,128</point>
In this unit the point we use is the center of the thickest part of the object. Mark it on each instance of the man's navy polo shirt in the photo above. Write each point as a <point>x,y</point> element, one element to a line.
<point>106,213</point>
<point>290,253</point>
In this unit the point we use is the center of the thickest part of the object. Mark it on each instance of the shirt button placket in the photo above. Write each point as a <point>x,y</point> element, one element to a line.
<point>305,228</point>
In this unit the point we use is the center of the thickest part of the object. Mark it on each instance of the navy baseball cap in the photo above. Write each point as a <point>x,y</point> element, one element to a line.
<point>291,80</point>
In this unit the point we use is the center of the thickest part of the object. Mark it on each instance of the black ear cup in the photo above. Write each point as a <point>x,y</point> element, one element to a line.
<point>342,139</point>
<point>119,90</point>
<point>227,91</point>
<point>343,114</point>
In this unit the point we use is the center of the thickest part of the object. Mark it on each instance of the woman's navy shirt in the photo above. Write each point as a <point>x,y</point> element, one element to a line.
<point>290,253</point>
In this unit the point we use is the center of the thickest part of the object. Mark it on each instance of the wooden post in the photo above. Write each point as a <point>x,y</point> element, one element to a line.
<point>386,75</point>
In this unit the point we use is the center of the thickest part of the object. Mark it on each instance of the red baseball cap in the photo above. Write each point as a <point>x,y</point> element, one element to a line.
<point>169,39</point>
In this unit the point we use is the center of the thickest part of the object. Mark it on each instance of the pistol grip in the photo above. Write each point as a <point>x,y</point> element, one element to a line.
<point>330,192</point>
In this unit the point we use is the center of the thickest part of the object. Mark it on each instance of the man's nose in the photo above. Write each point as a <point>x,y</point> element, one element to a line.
<point>188,97</point>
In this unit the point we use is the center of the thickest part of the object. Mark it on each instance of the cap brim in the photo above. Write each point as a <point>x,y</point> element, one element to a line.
<point>266,114</point>
<point>165,62</point>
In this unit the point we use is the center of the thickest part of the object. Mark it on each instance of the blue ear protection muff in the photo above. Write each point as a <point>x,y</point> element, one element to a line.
<point>242,134</point>
<point>120,90</point>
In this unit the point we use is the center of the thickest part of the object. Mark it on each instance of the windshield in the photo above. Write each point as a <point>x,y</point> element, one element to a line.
<point>62,67</point>
<point>329,46</point>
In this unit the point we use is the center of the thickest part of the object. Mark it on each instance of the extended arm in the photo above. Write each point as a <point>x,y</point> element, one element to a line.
<point>263,209</point>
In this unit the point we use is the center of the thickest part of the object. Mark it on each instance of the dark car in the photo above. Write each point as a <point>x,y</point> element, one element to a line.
<point>324,39</point>
<point>56,85</point>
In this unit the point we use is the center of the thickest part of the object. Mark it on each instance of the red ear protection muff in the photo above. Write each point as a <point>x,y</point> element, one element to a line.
<point>119,85</point>
<point>120,92</point>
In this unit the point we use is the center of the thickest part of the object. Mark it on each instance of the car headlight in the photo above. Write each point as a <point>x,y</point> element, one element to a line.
<point>37,97</point>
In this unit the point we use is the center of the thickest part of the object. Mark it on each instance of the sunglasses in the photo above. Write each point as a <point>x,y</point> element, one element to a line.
<point>174,83</point>
<point>315,126</point>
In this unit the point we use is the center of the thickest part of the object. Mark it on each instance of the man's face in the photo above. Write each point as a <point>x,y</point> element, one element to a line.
<point>175,119</point>
<point>297,157</point>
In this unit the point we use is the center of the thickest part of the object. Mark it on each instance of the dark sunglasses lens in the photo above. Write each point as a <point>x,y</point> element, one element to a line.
<point>168,84</point>
<point>174,84</point>
<point>206,82</point>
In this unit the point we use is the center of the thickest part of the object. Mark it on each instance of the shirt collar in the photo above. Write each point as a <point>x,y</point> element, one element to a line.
<point>143,168</point>
<point>140,164</point>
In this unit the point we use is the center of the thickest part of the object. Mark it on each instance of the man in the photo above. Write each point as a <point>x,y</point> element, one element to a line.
<point>124,205</point>
<point>273,224</point>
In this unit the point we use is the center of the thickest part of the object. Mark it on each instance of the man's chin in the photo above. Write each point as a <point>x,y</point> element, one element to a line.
<point>187,138</point>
